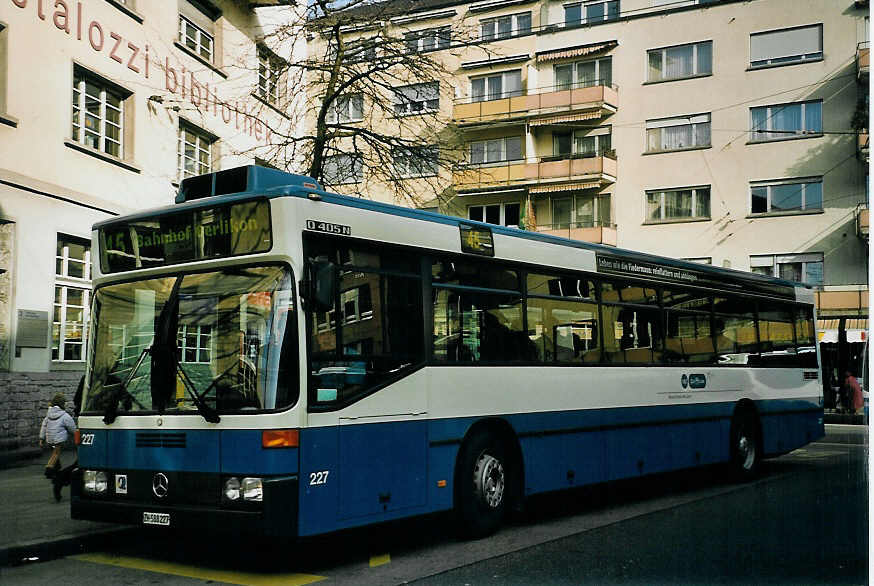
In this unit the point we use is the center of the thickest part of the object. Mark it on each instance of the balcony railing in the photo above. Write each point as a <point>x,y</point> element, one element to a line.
<point>598,234</point>
<point>598,100</point>
<point>863,60</point>
<point>595,170</point>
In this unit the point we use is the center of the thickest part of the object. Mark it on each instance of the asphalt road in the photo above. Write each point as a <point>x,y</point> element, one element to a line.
<point>803,522</point>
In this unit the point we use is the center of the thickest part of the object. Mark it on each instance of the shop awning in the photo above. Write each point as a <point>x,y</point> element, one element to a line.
<point>857,329</point>
<point>555,187</point>
<point>560,118</point>
<point>568,53</point>
<point>827,330</point>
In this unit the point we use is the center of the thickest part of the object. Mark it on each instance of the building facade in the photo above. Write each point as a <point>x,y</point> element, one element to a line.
<point>104,107</point>
<point>726,132</point>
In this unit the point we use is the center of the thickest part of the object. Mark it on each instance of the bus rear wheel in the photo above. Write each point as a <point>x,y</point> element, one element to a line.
<point>745,446</point>
<point>483,485</point>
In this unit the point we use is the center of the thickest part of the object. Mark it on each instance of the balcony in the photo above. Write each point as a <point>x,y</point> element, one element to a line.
<point>595,234</point>
<point>863,61</point>
<point>862,221</point>
<point>842,302</point>
<point>548,174</point>
<point>540,106</point>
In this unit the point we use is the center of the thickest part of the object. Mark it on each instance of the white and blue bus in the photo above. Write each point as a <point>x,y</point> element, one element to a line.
<point>270,358</point>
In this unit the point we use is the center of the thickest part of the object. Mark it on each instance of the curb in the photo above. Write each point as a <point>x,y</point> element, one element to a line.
<point>60,546</point>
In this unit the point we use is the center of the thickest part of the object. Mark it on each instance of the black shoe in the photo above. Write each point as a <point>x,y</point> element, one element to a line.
<point>56,490</point>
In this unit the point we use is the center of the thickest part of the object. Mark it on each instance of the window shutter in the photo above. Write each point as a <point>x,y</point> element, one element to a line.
<point>786,43</point>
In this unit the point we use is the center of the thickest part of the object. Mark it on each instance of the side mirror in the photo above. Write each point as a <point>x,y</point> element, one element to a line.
<point>320,287</point>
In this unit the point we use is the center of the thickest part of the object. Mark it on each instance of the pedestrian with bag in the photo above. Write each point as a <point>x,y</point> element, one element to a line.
<point>56,428</point>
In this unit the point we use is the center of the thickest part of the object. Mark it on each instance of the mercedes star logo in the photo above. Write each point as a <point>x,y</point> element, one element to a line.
<point>160,485</point>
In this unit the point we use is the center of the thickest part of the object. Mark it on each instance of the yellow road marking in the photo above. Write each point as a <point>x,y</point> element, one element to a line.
<point>379,560</point>
<point>187,571</point>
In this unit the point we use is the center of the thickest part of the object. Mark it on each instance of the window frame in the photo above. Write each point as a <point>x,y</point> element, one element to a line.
<point>768,134</point>
<point>502,212</point>
<point>789,59</point>
<point>583,20</point>
<point>662,207</point>
<point>205,142</point>
<point>598,202</point>
<point>576,82</point>
<point>79,133</point>
<point>440,36</point>
<point>515,30</point>
<point>803,181</point>
<point>503,142</point>
<point>198,39</point>
<point>662,51</point>
<point>487,96</point>
<point>356,168</point>
<point>63,283</point>
<point>427,167</point>
<point>271,87</point>
<point>401,99</point>
<point>806,258</point>
<point>661,123</point>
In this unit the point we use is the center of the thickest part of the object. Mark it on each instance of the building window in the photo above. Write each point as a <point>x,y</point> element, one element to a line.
<point>415,161</point>
<point>428,40</point>
<point>194,344</point>
<point>98,113</point>
<point>590,11</point>
<point>674,134</point>
<point>504,27</point>
<point>271,83</point>
<point>344,168</point>
<point>678,204</point>
<point>417,98</point>
<point>584,74</point>
<point>580,211</point>
<point>802,268</point>
<point>786,196</point>
<point>72,298</point>
<point>346,109</point>
<point>196,39</point>
<point>495,87</point>
<point>583,143</point>
<point>496,150</point>
<point>680,62</point>
<point>786,121</point>
<point>194,151</point>
<point>500,214</point>
<point>791,45</point>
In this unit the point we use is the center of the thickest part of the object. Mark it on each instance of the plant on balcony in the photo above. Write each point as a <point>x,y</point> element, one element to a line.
<point>859,122</point>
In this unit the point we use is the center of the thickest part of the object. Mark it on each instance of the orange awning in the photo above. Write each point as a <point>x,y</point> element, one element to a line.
<point>555,187</point>
<point>558,119</point>
<point>557,54</point>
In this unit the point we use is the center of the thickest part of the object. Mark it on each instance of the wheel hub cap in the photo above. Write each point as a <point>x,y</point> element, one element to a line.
<point>489,480</point>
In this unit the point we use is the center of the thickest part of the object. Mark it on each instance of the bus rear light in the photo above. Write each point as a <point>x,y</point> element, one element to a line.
<point>280,438</point>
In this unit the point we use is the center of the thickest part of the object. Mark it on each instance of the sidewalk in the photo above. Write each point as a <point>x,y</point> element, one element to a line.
<point>33,524</point>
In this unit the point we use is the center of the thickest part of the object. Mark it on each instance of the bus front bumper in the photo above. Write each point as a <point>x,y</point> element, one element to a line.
<point>278,517</point>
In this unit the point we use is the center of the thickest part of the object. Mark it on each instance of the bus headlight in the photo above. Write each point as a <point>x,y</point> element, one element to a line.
<point>232,489</point>
<point>95,482</point>
<point>252,489</point>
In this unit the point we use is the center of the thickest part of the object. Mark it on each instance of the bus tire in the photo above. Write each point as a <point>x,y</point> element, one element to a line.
<point>745,445</point>
<point>483,485</point>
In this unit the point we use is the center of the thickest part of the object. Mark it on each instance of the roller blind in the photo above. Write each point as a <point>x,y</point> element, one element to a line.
<point>786,43</point>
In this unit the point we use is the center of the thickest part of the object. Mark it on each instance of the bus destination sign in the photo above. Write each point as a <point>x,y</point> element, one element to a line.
<point>177,237</point>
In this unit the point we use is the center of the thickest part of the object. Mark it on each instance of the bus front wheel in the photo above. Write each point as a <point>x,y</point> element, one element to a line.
<point>483,485</point>
<point>745,445</point>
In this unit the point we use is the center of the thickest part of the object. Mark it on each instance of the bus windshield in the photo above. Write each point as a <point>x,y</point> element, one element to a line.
<point>209,342</point>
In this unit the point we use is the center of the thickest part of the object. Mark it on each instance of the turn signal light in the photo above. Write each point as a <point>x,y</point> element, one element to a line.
<point>280,438</point>
<point>77,437</point>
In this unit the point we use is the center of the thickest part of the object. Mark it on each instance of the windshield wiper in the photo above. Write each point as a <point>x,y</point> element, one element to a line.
<point>210,414</point>
<point>111,412</point>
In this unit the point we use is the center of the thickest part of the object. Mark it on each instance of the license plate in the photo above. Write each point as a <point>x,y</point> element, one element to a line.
<point>156,518</point>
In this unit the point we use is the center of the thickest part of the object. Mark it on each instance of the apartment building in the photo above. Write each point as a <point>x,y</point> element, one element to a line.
<point>104,107</point>
<point>726,132</point>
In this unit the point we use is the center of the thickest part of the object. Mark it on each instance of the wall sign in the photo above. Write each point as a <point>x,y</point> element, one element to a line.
<point>33,329</point>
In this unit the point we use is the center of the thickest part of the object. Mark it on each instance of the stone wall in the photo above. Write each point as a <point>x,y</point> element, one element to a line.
<point>24,400</point>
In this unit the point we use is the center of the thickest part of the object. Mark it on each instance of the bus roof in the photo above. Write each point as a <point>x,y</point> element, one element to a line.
<point>213,188</point>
